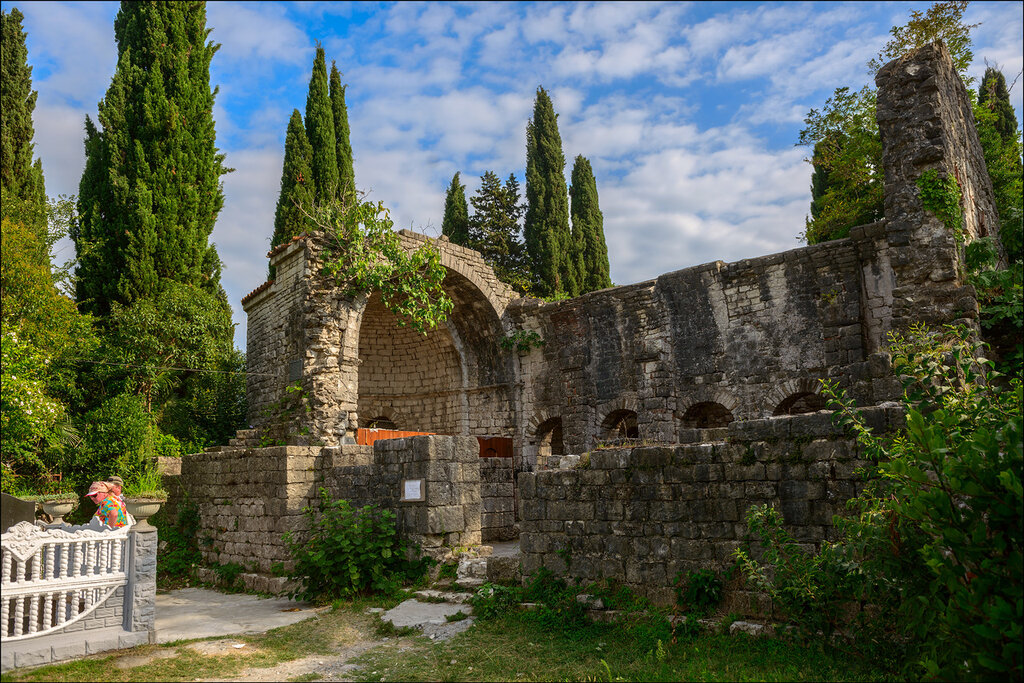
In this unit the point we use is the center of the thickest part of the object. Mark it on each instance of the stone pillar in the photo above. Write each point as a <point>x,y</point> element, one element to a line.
<point>448,467</point>
<point>140,593</point>
<point>926,123</point>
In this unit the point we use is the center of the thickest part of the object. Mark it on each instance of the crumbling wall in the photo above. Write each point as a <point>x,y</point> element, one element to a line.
<point>644,516</point>
<point>743,337</point>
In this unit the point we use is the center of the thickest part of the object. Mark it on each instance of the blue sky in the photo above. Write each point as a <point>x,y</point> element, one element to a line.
<point>687,111</point>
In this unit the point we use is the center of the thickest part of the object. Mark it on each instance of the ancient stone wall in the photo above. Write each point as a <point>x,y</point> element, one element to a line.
<point>710,344</point>
<point>644,515</point>
<point>448,469</point>
<point>354,363</point>
<point>248,498</point>
<point>497,499</point>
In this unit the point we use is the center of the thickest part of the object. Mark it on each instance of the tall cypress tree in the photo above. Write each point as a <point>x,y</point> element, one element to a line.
<point>346,172</point>
<point>588,223</point>
<point>455,224</point>
<point>151,190</point>
<point>320,131</point>
<point>997,130</point>
<point>548,239</point>
<point>296,184</point>
<point>20,178</point>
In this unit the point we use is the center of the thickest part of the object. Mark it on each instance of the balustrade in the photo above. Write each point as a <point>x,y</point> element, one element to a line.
<point>55,576</point>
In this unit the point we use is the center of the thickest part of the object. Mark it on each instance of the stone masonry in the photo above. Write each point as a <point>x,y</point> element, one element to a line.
<point>715,351</point>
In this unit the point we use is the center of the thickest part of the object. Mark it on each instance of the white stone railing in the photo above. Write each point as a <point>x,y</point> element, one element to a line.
<point>53,577</point>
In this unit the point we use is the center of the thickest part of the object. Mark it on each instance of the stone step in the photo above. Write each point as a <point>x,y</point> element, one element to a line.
<point>473,572</point>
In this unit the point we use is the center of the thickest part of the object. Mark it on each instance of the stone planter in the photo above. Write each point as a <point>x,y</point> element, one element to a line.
<point>142,509</point>
<point>56,509</point>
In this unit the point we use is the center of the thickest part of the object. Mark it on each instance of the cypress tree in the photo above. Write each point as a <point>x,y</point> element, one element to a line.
<point>455,225</point>
<point>151,190</point>
<point>997,131</point>
<point>296,185</point>
<point>320,131</point>
<point>548,239</point>
<point>994,96</point>
<point>346,172</point>
<point>20,178</point>
<point>588,223</point>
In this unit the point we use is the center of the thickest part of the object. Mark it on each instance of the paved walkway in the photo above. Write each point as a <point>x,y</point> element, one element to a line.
<point>201,613</point>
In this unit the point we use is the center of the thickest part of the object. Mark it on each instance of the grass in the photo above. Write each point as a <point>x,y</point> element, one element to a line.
<point>320,635</point>
<point>515,647</point>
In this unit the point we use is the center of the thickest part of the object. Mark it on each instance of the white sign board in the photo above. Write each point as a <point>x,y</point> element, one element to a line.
<point>412,489</point>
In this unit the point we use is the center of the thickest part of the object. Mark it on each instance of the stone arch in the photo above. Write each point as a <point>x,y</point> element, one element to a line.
<point>706,415</point>
<point>707,408</point>
<point>620,424</point>
<point>384,418</point>
<point>793,393</point>
<point>548,438</point>
<point>455,379</point>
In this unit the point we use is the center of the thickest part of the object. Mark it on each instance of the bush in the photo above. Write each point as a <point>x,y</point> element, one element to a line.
<point>938,534</point>
<point>935,541</point>
<point>699,592</point>
<point>178,554</point>
<point>349,551</point>
<point>492,601</point>
<point>117,439</point>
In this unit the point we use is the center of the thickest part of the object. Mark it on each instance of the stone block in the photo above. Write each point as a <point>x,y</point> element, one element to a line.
<point>68,648</point>
<point>101,641</point>
<point>33,657</point>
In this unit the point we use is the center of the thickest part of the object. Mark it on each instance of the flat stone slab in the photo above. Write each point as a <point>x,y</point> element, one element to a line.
<point>456,598</point>
<point>201,613</point>
<point>430,617</point>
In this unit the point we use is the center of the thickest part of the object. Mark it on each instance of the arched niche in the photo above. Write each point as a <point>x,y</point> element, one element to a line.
<point>706,415</point>
<point>549,438</point>
<point>620,424</point>
<point>800,403</point>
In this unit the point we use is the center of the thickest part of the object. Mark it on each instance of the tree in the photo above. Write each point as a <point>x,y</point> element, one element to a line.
<point>847,164</point>
<point>943,21</point>
<point>1001,143</point>
<point>320,131</point>
<point>588,228</point>
<point>546,229</point>
<point>151,189</point>
<point>455,224</point>
<point>844,133</point>
<point>297,189</point>
<point>494,229</point>
<point>20,178</point>
<point>346,172</point>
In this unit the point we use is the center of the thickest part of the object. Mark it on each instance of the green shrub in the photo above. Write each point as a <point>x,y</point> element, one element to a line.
<point>178,553</point>
<point>348,551</point>
<point>492,601</point>
<point>934,544</point>
<point>117,438</point>
<point>699,592</point>
<point>937,537</point>
<point>809,588</point>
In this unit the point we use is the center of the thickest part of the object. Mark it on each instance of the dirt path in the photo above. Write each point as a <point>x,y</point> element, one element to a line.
<point>352,641</point>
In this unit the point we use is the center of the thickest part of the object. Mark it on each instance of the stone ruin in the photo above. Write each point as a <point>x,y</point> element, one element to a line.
<point>630,444</point>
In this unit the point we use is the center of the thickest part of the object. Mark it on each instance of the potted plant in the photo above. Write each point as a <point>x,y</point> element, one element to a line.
<point>58,504</point>
<point>144,494</point>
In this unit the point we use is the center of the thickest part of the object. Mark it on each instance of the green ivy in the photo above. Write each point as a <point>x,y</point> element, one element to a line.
<point>365,255</point>
<point>941,196</point>
<point>522,341</point>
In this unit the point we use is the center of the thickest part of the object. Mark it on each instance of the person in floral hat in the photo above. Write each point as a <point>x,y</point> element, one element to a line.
<point>109,507</point>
